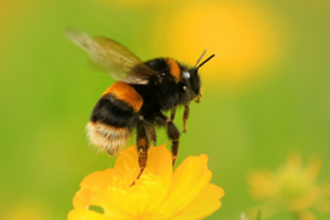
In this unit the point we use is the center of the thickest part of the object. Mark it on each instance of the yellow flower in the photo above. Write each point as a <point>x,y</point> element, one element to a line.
<point>292,188</point>
<point>160,193</point>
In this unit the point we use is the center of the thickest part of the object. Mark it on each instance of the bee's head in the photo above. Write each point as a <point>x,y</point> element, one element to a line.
<point>193,79</point>
<point>193,83</point>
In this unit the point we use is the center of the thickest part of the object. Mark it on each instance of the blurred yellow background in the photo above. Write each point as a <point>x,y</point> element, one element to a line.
<point>266,92</point>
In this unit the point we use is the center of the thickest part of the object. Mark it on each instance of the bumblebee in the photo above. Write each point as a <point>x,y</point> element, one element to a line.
<point>144,91</point>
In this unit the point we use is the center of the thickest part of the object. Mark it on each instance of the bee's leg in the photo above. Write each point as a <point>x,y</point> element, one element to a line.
<point>185,117</point>
<point>142,145</point>
<point>172,132</point>
<point>175,150</point>
<point>173,110</point>
<point>152,135</point>
<point>186,108</point>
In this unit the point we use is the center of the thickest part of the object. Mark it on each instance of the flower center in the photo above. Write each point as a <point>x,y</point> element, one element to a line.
<point>294,185</point>
<point>141,199</point>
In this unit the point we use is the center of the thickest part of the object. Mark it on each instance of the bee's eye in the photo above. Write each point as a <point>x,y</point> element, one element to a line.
<point>186,74</point>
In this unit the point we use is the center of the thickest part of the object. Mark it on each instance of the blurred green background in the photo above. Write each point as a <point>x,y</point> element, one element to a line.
<point>266,93</point>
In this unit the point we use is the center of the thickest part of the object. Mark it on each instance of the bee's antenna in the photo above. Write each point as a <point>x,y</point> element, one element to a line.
<point>199,59</point>
<point>205,61</point>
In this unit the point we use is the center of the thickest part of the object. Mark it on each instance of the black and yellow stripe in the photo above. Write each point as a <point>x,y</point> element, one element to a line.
<point>125,93</point>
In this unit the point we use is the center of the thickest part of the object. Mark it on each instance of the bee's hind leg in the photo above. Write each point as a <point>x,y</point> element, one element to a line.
<point>151,132</point>
<point>142,144</point>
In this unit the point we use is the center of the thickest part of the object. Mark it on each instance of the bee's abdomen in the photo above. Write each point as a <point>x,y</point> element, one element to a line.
<point>107,138</point>
<point>114,117</point>
<point>126,94</point>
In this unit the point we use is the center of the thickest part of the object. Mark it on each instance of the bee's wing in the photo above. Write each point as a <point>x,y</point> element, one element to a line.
<point>114,58</point>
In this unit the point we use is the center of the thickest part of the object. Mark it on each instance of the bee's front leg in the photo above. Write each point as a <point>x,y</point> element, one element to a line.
<point>185,117</point>
<point>186,109</point>
<point>172,132</point>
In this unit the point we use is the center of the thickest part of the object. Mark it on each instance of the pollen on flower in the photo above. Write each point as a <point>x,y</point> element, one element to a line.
<point>159,193</point>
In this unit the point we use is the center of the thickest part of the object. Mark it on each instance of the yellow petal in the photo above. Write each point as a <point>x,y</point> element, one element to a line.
<point>188,181</point>
<point>83,198</point>
<point>98,180</point>
<point>305,201</point>
<point>160,164</point>
<point>84,214</point>
<point>262,184</point>
<point>126,162</point>
<point>91,189</point>
<point>207,202</point>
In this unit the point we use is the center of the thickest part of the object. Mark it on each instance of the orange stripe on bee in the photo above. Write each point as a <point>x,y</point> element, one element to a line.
<point>126,93</point>
<point>175,69</point>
